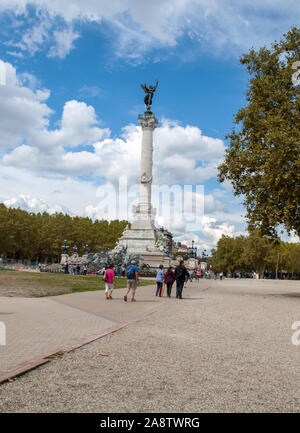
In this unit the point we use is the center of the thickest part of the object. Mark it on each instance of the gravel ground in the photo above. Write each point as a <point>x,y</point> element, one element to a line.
<point>225,349</point>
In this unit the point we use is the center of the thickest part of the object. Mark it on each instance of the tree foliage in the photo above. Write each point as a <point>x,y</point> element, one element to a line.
<point>263,158</point>
<point>256,253</point>
<point>39,236</point>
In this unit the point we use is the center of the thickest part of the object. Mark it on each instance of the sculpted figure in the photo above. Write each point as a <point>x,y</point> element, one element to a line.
<point>149,94</point>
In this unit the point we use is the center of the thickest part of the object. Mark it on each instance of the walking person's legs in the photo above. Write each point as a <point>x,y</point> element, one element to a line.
<point>179,289</point>
<point>132,295</point>
<point>160,286</point>
<point>106,290</point>
<point>127,290</point>
<point>157,288</point>
<point>169,289</point>
<point>131,285</point>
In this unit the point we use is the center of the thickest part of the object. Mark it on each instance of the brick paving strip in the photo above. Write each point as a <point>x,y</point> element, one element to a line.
<point>39,328</point>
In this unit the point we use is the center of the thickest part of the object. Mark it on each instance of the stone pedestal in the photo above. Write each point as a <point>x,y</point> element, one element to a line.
<point>64,259</point>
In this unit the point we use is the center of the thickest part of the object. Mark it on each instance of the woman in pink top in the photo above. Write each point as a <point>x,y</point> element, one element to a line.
<point>109,278</point>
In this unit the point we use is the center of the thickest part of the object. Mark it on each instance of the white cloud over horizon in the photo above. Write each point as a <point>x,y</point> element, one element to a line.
<point>35,205</point>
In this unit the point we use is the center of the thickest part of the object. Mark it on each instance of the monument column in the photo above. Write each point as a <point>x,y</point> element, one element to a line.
<point>148,123</point>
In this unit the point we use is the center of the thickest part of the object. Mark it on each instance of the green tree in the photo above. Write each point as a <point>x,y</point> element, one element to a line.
<point>39,236</point>
<point>227,256</point>
<point>259,253</point>
<point>263,158</point>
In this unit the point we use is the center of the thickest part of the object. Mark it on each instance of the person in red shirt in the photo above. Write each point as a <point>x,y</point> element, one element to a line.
<point>169,280</point>
<point>109,279</point>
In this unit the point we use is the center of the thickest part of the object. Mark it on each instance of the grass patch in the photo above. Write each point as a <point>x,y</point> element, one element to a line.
<point>6,269</point>
<point>40,284</point>
<point>55,356</point>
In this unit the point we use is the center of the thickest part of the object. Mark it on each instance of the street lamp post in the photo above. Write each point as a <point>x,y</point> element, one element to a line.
<point>75,248</point>
<point>86,251</point>
<point>65,247</point>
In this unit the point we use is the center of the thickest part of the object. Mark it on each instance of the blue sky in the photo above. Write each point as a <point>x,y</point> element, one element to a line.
<point>72,97</point>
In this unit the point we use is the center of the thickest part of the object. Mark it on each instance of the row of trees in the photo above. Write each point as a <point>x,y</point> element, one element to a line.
<point>25,235</point>
<point>256,253</point>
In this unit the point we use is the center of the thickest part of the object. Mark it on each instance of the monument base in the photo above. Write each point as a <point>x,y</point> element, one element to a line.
<point>147,243</point>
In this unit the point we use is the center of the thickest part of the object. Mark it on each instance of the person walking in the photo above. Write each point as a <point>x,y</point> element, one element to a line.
<point>181,275</point>
<point>169,280</point>
<point>84,269</point>
<point>109,279</point>
<point>132,280</point>
<point>160,274</point>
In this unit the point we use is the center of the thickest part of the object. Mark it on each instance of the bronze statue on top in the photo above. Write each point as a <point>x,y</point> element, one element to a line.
<point>149,94</point>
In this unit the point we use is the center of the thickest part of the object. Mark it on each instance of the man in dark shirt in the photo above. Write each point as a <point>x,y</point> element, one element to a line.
<point>181,275</point>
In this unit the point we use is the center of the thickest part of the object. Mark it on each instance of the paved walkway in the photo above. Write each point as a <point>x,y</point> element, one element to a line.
<point>226,347</point>
<point>39,327</point>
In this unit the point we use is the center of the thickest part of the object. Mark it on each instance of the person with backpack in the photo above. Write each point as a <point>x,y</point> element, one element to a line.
<point>169,280</point>
<point>132,280</point>
<point>181,275</point>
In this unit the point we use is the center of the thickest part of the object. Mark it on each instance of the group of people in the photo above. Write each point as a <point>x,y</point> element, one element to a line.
<point>75,269</point>
<point>132,280</point>
<point>179,274</point>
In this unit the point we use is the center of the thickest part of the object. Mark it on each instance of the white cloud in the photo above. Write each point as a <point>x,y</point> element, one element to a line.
<point>63,43</point>
<point>215,230</point>
<point>34,204</point>
<point>136,26</point>
<point>68,193</point>
<point>22,110</point>
<point>35,37</point>
<point>90,91</point>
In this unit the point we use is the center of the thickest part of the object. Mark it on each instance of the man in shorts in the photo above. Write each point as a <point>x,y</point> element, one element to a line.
<point>132,280</point>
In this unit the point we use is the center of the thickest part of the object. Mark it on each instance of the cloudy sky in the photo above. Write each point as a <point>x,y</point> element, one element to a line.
<point>70,95</point>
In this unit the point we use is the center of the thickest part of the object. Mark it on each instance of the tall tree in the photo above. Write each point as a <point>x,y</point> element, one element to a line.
<point>263,158</point>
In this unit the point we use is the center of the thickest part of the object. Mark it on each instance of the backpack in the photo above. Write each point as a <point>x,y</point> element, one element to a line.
<point>130,273</point>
